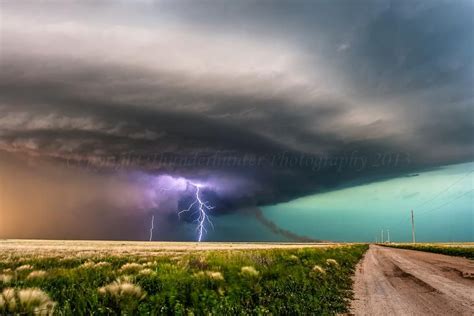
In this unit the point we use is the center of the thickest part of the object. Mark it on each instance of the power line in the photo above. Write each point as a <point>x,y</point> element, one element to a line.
<point>437,195</point>
<point>449,202</point>
<point>426,202</point>
<point>437,207</point>
<point>444,190</point>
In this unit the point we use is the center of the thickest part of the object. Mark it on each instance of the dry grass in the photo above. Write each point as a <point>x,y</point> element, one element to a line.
<point>121,289</point>
<point>122,295</point>
<point>332,262</point>
<point>5,278</point>
<point>24,268</point>
<point>249,271</point>
<point>71,249</point>
<point>28,301</point>
<point>131,267</point>
<point>319,270</point>
<point>37,274</point>
<point>214,275</point>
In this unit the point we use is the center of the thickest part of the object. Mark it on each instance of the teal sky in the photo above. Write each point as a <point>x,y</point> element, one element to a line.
<point>360,213</point>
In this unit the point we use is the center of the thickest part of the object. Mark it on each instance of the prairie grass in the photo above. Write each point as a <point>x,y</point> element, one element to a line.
<point>214,275</point>
<point>249,271</point>
<point>36,274</point>
<point>286,281</point>
<point>5,278</point>
<point>26,301</point>
<point>332,262</point>
<point>24,268</point>
<point>121,296</point>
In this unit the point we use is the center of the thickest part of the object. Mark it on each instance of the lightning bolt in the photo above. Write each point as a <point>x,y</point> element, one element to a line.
<point>201,208</point>
<point>152,226</point>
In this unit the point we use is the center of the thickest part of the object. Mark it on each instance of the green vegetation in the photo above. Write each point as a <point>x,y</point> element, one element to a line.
<point>459,250</point>
<point>218,282</point>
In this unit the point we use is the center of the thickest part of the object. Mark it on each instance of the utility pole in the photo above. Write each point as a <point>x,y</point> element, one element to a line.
<point>388,235</point>
<point>381,237</point>
<point>412,228</point>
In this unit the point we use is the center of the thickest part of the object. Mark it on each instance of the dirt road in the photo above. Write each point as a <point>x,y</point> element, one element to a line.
<point>392,281</point>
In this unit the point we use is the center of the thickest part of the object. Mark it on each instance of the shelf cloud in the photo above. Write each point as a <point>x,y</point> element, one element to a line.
<point>286,99</point>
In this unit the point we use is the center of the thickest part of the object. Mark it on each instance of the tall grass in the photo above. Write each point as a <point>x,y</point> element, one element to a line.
<point>305,281</point>
<point>450,250</point>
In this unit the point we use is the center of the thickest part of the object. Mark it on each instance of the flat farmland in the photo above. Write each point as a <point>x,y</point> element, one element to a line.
<point>160,278</point>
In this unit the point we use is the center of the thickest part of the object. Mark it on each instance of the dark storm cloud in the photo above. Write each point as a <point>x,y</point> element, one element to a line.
<point>321,94</point>
<point>406,50</point>
<point>386,46</point>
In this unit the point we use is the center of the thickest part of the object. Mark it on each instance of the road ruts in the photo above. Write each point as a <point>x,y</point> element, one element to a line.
<point>392,281</point>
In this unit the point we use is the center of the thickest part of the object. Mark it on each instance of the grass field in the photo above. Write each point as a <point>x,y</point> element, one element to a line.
<point>452,249</point>
<point>113,278</point>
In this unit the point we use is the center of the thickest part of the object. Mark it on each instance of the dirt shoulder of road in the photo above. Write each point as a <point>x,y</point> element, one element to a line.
<point>391,281</point>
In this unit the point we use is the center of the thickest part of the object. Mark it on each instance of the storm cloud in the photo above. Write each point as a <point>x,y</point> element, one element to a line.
<point>283,99</point>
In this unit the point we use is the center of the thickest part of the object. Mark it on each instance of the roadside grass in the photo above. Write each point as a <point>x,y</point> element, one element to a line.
<point>466,251</point>
<point>220,282</point>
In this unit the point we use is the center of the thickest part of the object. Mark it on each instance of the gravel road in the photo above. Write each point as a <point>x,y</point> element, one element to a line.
<point>392,281</point>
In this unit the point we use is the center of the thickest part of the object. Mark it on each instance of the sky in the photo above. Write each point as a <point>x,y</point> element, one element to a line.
<point>288,120</point>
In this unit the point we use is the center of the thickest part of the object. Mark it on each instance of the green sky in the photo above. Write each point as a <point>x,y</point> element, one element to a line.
<point>441,199</point>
